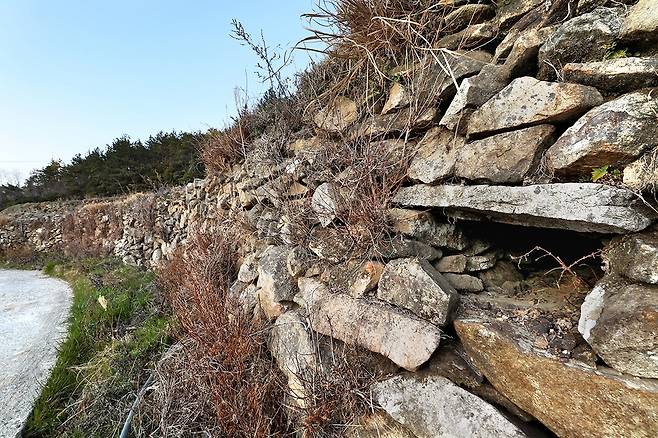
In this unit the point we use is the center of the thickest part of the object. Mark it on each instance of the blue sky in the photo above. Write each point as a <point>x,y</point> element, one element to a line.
<point>76,74</point>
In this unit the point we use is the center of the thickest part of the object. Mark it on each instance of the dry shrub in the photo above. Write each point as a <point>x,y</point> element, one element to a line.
<point>375,36</point>
<point>226,351</point>
<point>338,394</point>
<point>88,230</point>
<point>221,149</point>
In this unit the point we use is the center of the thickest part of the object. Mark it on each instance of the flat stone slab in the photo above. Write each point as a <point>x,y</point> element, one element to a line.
<point>33,313</point>
<point>585,207</point>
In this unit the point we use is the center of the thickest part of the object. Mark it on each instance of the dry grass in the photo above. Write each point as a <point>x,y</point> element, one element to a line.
<point>225,350</point>
<point>375,36</point>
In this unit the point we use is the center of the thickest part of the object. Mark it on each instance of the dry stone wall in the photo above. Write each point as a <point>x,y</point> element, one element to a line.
<point>516,294</point>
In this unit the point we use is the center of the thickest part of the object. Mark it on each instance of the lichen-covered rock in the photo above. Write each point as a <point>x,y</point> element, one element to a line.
<point>619,75</point>
<point>275,285</point>
<point>464,283</point>
<point>614,133</point>
<point>504,158</point>
<point>436,156</point>
<point>508,12</point>
<point>337,116</point>
<point>416,286</point>
<point>434,407</point>
<point>634,257</point>
<point>467,15</point>
<point>601,208</point>
<point>403,338</point>
<point>585,38</point>
<point>620,321</point>
<point>641,24</point>
<point>528,102</point>
<point>569,398</point>
<point>422,226</point>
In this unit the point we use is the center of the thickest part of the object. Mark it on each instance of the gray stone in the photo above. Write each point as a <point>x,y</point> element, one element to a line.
<point>439,75</point>
<point>416,286</point>
<point>436,156</point>
<point>293,349</point>
<point>405,339</point>
<point>614,133</point>
<point>244,295</point>
<point>337,116</point>
<point>472,93</point>
<point>641,24</point>
<point>620,321</point>
<point>299,261</point>
<point>619,75</point>
<point>453,263</point>
<point>402,248</point>
<point>248,271</point>
<point>275,285</point>
<point>433,406</point>
<point>464,283</point>
<point>504,158</point>
<point>588,37</point>
<point>528,102</point>
<point>325,203</point>
<point>481,262</point>
<point>365,279</point>
<point>585,207</point>
<point>423,227</point>
<point>634,257</point>
<point>508,12</point>
<point>467,15</point>
<point>473,36</point>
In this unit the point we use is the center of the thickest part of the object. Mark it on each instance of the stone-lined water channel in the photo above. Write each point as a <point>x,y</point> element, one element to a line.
<point>33,312</point>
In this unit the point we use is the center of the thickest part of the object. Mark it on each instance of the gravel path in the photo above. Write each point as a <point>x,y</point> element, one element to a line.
<point>33,313</point>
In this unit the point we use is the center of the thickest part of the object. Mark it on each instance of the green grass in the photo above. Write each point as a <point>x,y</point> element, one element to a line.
<point>108,352</point>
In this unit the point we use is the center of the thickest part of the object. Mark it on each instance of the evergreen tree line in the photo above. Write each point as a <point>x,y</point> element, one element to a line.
<point>124,166</point>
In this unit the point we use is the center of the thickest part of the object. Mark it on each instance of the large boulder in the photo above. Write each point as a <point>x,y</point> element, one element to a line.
<point>585,207</point>
<point>634,257</point>
<point>619,75</point>
<point>528,102</point>
<point>620,321</point>
<point>641,24</point>
<point>585,38</point>
<point>504,158</point>
<point>436,156</point>
<point>568,397</point>
<point>614,133</point>
<point>416,286</point>
<point>434,407</point>
<point>405,339</point>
